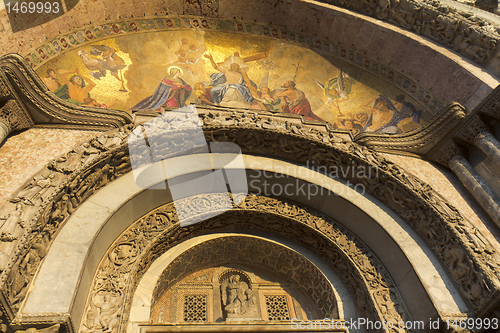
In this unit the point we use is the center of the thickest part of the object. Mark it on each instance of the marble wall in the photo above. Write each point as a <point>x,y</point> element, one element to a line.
<point>25,153</point>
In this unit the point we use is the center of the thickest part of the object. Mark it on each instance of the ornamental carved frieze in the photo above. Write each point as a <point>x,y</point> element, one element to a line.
<point>473,129</point>
<point>472,36</point>
<point>446,151</point>
<point>467,256</point>
<point>371,286</point>
<point>35,212</point>
<point>14,116</point>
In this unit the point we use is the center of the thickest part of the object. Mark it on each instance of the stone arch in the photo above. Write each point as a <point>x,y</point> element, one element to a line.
<point>369,283</point>
<point>239,261</point>
<point>406,195</point>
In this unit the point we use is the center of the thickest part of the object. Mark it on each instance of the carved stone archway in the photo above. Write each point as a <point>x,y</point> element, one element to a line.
<point>370,285</point>
<point>445,230</point>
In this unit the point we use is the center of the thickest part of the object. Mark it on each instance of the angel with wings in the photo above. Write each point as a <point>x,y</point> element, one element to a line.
<point>108,61</point>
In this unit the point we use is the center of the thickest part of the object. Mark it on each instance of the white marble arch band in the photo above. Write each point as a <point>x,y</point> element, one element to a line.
<point>63,282</point>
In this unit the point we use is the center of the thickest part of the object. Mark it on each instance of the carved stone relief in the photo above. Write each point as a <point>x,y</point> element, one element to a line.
<point>437,222</point>
<point>472,130</point>
<point>238,299</point>
<point>38,209</point>
<point>258,253</point>
<point>371,287</point>
<point>447,150</point>
<point>12,115</point>
<point>463,32</point>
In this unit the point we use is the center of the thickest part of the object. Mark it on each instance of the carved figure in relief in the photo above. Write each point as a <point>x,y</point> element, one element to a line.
<point>106,317</point>
<point>456,259</point>
<point>91,183</point>
<point>62,210</point>
<point>237,297</point>
<point>388,308</point>
<point>73,159</point>
<point>8,228</point>
<point>36,253</point>
<point>35,190</point>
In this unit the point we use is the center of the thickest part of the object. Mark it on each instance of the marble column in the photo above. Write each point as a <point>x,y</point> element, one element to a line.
<point>476,133</point>
<point>476,185</point>
<point>488,145</point>
<point>4,131</point>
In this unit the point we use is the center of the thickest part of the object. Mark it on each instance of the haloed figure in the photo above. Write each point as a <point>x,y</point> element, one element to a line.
<point>172,92</point>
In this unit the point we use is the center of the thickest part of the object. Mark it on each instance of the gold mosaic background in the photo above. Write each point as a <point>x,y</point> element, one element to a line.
<point>147,58</point>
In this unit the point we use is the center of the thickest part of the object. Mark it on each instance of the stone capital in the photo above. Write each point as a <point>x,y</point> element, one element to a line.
<point>474,129</point>
<point>445,152</point>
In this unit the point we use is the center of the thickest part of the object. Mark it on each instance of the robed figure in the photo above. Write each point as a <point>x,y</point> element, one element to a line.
<point>172,92</point>
<point>296,102</point>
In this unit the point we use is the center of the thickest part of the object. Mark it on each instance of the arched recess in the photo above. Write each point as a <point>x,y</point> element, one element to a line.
<point>376,279</point>
<point>399,191</point>
<point>246,253</point>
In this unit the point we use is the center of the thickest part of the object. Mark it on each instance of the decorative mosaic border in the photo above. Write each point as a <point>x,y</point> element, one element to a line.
<point>58,45</point>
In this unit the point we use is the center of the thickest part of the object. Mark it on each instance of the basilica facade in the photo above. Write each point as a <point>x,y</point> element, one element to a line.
<point>278,166</point>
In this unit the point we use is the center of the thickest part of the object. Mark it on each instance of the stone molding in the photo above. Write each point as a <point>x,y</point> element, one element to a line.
<point>467,256</point>
<point>25,89</point>
<point>419,141</point>
<point>369,283</point>
<point>471,36</point>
